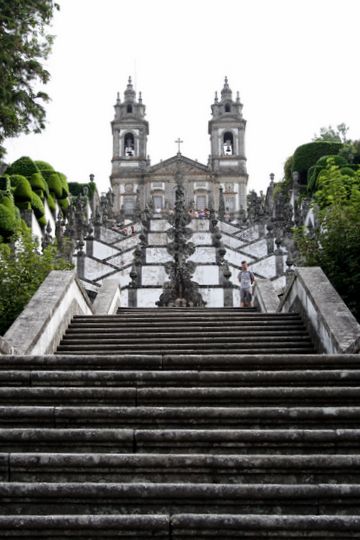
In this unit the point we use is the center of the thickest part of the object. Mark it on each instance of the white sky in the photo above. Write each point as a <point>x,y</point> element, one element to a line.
<point>295,63</point>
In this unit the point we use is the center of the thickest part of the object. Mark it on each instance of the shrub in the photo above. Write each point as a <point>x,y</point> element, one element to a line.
<point>65,186</point>
<point>21,187</point>
<point>55,184</point>
<point>64,204</point>
<point>21,274</point>
<point>334,245</point>
<point>44,166</point>
<point>307,155</point>
<point>9,216</point>
<point>39,185</point>
<point>288,167</point>
<point>51,203</point>
<point>24,166</point>
<point>37,206</point>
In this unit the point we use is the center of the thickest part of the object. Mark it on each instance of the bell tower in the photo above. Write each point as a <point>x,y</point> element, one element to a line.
<point>227,139</point>
<point>129,131</point>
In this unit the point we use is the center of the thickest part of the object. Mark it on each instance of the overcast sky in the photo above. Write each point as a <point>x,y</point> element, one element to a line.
<point>295,64</point>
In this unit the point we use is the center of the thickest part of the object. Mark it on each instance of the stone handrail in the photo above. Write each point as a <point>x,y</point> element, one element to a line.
<point>42,323</point>
<point>265,296</point>
<point>108,298</point>
<point>331,324</point>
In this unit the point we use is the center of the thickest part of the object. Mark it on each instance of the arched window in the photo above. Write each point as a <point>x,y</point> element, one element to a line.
<point>129,145</point>
<point>228,143</point>
<point>227,107</point>
<point>129,109</point>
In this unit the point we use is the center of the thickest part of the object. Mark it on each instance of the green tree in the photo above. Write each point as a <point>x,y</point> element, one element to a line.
<point>338,134</point>
<point>22,270</point>
<point>334,245</point>
<point>24,45</point>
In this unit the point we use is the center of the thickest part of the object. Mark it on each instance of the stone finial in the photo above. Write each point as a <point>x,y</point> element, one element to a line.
<point>92,177</point>
<point>226,92</point>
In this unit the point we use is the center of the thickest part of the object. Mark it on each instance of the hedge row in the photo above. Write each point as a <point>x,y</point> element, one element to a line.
<point>31,183</point>
<point>307,155</point>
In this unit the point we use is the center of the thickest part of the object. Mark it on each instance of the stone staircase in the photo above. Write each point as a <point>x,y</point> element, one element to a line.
<point>183,331</point>
<point>180,424</point>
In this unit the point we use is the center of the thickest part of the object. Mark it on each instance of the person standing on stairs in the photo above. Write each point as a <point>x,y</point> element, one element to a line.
<point>246,279</point>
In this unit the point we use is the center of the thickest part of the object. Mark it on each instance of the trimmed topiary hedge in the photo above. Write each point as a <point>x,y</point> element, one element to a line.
<point>39,185</point>
<point>21,188</point>
<point>9,216</point>
<point>64,204</point>
<point>37,206</point>
<point>44,166</point>
<point>65,186</point>
<point>55,184</point>
<point>51,203</point>
<point>24,166</point>
<point>307,155</point>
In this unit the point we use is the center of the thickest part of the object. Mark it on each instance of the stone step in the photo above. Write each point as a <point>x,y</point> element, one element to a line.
<point>180,468</point>
<point>189,378</point>
<point>170,396</point>
<point>168,362</point>
<point>196,316</point>
<point>134,498</point>
<point>134,333</point>
<point>201,340</point>
<point>174,526</point>
<point>189,441</point>
<point>261,350</point>
<point>175,318</point>
<point>195,417</point>
<point>157,326</point>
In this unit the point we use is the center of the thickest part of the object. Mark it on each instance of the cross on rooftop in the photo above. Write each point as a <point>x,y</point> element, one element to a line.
<point>178,142</point>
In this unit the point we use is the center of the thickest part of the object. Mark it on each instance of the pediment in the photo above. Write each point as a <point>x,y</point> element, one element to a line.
<point>187,166</point>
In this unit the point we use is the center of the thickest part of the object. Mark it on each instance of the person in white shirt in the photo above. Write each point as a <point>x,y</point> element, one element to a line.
<point>247,279</point>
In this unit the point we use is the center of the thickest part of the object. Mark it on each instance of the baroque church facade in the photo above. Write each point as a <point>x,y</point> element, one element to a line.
<point>135,182</point>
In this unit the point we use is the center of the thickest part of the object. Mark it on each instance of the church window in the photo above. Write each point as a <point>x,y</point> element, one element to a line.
<point>200,202</point>
<point>129,145</point>
<point>230,204</point>
<point>227,107</point>
<point>129,205</point>
<point>158,202</point>
<point>129,109</point>
<point>228,144</point>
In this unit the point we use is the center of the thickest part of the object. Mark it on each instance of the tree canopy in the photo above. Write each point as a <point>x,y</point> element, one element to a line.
<point>330,134</point>
<point>24,44</point>
<point>334,245</point>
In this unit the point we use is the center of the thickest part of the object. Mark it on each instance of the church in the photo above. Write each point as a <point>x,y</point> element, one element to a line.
<point>134,177</point>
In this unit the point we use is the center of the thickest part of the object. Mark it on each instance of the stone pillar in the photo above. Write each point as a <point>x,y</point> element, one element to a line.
<point>279,259</point>
<point>270,239</point>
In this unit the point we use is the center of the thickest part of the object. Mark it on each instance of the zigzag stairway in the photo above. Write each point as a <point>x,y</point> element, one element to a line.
<point>179,424</point>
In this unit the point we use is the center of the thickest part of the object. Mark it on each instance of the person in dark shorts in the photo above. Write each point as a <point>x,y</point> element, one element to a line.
<point>247,280</point>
